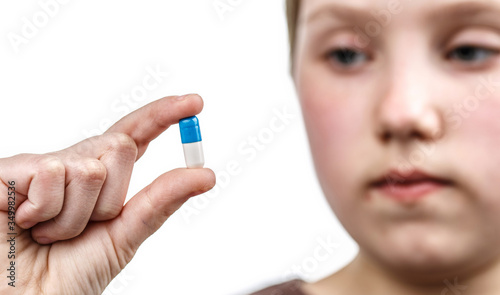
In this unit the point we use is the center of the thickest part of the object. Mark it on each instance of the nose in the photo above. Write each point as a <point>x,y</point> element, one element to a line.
<point>406,109</point>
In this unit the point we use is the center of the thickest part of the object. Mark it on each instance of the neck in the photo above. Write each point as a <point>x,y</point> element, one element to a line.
<point>365,276</point>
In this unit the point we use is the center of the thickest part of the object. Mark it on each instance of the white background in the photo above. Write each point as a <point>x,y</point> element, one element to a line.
<point>82,68</point>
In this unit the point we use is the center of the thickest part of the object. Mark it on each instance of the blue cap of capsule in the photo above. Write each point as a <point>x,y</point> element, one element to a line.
<point>190,130</point>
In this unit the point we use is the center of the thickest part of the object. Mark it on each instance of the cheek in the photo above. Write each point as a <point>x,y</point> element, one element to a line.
<point>328,125</point>
<point>477,145</point>
<point>338,129</point>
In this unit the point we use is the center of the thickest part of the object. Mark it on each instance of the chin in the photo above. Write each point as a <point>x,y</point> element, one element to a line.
<point>426,256</point>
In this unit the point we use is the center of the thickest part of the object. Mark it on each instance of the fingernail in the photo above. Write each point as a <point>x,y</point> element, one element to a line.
<point>44,240</point>
<point>182,97</point>
<point>27,224</point>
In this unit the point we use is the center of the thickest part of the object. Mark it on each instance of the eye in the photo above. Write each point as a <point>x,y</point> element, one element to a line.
<point>346,57</point>
<point>471,54</point>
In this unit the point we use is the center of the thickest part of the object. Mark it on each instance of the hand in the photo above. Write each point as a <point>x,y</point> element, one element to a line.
<point>73,233</point>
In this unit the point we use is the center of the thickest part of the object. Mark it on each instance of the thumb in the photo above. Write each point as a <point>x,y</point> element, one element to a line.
<point>149,209</point>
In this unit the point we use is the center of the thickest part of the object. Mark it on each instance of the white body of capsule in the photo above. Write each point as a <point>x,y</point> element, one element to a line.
<point>193,154</point>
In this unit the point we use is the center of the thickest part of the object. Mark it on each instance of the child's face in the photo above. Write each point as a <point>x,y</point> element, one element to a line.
<point>414,100</point>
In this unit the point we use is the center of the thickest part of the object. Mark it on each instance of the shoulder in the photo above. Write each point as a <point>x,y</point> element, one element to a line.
<point>292,287</point>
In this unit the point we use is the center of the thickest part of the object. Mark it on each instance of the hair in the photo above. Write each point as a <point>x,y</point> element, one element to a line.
<point>292,14</point>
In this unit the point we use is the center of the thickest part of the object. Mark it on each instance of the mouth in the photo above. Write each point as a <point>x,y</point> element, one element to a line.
<point>409,187</point>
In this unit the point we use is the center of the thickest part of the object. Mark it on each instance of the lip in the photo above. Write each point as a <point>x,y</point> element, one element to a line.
<point>409,187</point>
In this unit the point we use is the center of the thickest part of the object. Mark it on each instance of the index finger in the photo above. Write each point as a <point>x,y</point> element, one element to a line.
<point>148,122</point>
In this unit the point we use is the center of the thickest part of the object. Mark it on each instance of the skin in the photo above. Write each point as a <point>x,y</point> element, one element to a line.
<point>362,120</point>
<point>393,106</point>
<point>74,234</point>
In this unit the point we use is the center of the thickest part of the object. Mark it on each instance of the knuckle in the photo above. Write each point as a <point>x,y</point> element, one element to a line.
<point>121,143</point>
<point>91,170</point>
<point>51,166</point>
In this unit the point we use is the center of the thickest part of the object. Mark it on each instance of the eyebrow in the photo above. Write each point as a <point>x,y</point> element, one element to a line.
<point>454,11</point>
<point>462,10</point>
<point>342,12</point>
